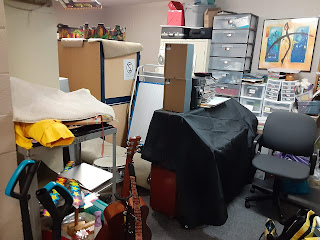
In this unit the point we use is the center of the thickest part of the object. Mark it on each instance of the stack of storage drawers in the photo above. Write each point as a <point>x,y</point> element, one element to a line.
<point>271,103</point>
<point>273,89</point>
<point>252,97</point>
<point>288,91</point>
<point>233,39</point>
<point>270,106</point>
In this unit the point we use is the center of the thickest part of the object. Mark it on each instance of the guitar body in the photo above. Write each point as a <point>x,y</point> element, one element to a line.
<point>146,232</point>
<point>115,228</point>
<point>130,225</point>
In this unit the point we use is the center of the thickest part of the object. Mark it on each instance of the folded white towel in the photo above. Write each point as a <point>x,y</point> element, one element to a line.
<point>32,103</point>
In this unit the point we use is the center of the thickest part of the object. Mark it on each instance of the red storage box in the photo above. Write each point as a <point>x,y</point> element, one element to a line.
<point>175,17</point>
<point>175,5</point>
<point>163,191</point>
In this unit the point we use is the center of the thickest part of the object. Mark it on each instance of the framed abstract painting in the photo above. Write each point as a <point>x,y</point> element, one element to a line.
<point>288,43</point>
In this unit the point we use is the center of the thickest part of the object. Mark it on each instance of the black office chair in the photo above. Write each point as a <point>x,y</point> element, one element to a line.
<point>290,133</point>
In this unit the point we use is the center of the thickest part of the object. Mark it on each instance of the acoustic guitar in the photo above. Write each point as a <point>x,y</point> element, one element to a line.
<point>123,221</point>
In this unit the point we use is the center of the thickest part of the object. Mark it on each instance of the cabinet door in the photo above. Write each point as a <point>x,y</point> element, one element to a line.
<point>201,51</point>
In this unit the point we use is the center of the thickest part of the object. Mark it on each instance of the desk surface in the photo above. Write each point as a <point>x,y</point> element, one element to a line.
<point>210,151</point>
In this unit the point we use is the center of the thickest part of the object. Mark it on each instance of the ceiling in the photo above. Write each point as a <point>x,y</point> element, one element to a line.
<point>126,2</point>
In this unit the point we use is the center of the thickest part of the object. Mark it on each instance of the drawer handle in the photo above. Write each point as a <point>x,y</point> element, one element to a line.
<point>227,49</point>
<point>225,61</point>
<point>229,34</point>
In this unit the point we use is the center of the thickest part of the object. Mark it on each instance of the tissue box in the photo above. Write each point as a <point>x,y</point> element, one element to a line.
<point>175,17</point>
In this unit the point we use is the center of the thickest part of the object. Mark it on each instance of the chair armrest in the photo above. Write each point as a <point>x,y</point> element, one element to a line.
<point>257,141</point>
<point>313,161</point>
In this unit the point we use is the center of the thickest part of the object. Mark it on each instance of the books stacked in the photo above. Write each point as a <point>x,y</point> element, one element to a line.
<point>254,77</point>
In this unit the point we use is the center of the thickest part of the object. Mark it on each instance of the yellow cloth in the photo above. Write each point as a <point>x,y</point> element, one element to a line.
<point>49,133</point>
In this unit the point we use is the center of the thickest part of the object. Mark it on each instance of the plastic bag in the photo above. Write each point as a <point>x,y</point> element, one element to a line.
<point>314,180</point>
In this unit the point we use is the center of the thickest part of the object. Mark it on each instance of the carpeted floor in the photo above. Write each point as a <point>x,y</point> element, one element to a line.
<point>242,223</point>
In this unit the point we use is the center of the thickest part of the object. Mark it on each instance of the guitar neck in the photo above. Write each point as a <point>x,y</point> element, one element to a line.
<point>126,181</point>
<point>131,149</point>
<point>136,209</point>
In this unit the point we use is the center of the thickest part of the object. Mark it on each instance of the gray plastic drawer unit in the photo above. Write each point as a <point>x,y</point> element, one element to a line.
<point>231,64</point>
<point>235,21</point>
<point>233,36</point>
<point>231,50</point>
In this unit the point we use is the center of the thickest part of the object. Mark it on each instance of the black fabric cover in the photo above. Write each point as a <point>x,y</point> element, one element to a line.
<point>290,132</point>
<point>281,167</point>
<point>210,150</point>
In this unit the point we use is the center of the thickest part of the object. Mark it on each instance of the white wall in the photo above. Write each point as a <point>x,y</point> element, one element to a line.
<point>32,40</point>
<point>10,218</point>
<point>143,22</point>
<point>143,25</point>
<point>277,9</point>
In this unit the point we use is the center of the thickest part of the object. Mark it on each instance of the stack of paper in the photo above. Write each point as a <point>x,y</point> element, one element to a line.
<point>214,102</point>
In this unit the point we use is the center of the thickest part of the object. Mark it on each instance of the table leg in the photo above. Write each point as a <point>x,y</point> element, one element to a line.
<point>114,168</point>
<point>78,154</point>
<point>75,153</point>
<point>34,210</point>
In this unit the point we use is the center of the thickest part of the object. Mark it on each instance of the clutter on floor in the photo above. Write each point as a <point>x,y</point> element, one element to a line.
<point>148,148</point>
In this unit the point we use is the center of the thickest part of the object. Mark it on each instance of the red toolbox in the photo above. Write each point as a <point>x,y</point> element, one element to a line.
<point>163,191</point>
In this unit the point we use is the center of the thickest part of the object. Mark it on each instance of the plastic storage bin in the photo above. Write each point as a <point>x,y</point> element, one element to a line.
<point>231,64</point>
<point>231,50</point>
<point>252,90</point>
<point>271,106</point>
<point>257,114</point>
<point>309,107</point>
<point>254,105</point>
<point>289,83</point>
<point>265,114</point>
<point>194,14</point>
<point>230,90</point>
<point>272,90</point>
<point>235,21</point>
<point>288,89</point>
<point>288,95</point>
<point>227,76</point>
<point>233,36</point>
<point>288,99</point>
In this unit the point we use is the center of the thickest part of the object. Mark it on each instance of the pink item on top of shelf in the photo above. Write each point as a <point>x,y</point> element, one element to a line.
<point>173,5</point>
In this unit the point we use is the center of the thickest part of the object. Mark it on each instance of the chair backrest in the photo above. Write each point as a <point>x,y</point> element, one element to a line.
<point>289,132</point>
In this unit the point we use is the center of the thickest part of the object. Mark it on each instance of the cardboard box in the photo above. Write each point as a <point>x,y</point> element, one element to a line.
<point>178,73</point>
<point>178,61</point>
<point>177,95</point>
<point>175,17</point>
<point>209,15</point>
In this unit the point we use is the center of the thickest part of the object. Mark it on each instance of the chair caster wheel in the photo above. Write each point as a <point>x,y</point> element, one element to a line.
<point>247,204</point>
<point>186,227</point>
<point>252,190</point>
